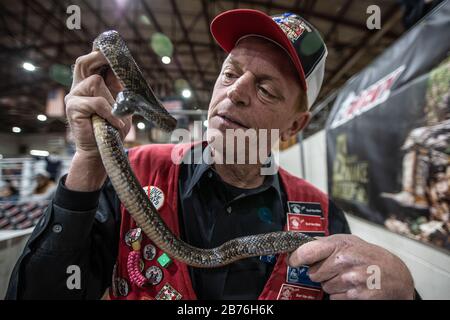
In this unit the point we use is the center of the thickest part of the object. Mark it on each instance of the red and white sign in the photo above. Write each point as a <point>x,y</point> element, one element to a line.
<point>291,292</point>
<point>355,105</point>
<point>305,223</point>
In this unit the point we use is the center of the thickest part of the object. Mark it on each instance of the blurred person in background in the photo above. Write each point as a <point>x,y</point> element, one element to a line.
<point>8,192</point>
<point>45,186</point>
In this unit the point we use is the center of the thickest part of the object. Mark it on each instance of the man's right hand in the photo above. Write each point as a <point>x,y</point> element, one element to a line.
<point>90,94</point>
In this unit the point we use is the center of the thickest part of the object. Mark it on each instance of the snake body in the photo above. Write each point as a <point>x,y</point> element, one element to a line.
<point>144,102</point>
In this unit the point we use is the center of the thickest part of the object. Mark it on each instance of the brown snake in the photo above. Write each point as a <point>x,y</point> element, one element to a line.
<point>139,98</point>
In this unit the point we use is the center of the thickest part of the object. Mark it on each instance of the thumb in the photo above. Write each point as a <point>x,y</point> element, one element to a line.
<point>312,252</point>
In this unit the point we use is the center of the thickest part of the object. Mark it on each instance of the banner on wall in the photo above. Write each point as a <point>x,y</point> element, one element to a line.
<point>388,136</point>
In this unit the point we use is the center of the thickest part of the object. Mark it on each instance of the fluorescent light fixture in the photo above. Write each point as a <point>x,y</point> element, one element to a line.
<point>166,60</point>
<point>186,93</point>
<point>141,125</point>
<point>42,117</point>
<point>28,66</point>
<point>39,153</point>
<point>16,129</point>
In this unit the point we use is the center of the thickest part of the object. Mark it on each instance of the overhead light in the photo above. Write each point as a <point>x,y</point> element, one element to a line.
<point>42,117</point>
<point>16,129</point>
<point>205,123</point>
<point>121,3</point>
<point>186,93</point>
<point>39,153</point>
<point>141,125</point>
<point>28,66</point>
<point>144,19</point>
<point>166,60</point>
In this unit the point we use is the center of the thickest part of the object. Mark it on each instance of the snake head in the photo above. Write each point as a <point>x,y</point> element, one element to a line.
<point>126,104</point>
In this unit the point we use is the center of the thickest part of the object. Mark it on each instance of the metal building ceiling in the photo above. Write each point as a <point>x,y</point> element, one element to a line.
<point>36,31</point>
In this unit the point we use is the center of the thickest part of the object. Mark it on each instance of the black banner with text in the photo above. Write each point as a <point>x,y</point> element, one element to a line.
<point>388,136</point>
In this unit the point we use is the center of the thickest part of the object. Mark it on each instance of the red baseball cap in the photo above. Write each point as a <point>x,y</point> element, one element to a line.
<point>295,35</point>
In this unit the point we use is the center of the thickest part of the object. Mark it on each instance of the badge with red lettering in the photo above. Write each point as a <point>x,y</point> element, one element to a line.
<point>291,292</point>
<point>310,208</point>
<point>168,293</point>
<point>304,223</point>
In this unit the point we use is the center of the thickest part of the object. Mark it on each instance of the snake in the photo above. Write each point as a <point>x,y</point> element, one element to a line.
<point>137,97</point>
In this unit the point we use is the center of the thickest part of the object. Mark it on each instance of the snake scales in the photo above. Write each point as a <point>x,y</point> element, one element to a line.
<point>139,98</point>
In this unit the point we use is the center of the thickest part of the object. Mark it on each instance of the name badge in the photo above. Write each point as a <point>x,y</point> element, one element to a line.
<point>300,276</point>
<point>310,208</point>
<point>292,292</point>
<point>305,223</point>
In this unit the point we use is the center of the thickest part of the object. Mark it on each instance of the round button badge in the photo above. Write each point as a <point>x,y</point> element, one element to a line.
<point>122,287</point>
<point>149,252</point>
<point>154,275</point>
<point>133,235</point>
<point>156,196</point>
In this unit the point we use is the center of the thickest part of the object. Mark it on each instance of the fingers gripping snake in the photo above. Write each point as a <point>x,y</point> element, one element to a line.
<point>139,98</point>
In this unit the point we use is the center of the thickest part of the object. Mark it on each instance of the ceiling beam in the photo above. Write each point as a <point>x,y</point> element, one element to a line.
<point>45,19</point>
<point>341,12</point>
<point>186,36</point>
<point>392,19</point>
<point>315,14</point>
<point>55,22</point>
<point>213,45</point>
<point>158,28</point>
<point>13,17</point>
<point>109,27</point>
<point>194,22</point>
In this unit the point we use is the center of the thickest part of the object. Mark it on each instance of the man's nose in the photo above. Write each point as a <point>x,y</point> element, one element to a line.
<point>240,92</point>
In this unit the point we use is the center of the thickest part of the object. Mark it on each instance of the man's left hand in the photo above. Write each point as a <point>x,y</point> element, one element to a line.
<point>343,264</point>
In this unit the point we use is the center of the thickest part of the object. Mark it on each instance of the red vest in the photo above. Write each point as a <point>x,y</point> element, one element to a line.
<point>153,166</point>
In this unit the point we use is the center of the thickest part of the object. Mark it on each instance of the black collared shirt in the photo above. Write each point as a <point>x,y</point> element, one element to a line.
<point>224,212</point>
<point>211,212</point>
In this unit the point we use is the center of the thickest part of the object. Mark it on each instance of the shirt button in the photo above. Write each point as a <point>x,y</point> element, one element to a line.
<point>229,209</point>
<point>57,228</point>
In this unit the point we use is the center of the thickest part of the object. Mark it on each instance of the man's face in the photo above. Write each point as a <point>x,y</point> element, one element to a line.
<point>257,88</point>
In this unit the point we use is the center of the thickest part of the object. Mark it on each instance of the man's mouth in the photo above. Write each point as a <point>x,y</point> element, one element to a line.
<point>229,121</point>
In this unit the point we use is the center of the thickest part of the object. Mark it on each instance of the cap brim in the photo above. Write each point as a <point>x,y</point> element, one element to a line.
<point>230,26</point>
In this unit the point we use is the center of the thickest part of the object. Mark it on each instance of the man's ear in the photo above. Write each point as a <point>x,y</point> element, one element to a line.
<point>300,122</point>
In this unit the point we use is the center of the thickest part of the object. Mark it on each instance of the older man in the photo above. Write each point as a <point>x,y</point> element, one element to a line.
<point>271,77</point>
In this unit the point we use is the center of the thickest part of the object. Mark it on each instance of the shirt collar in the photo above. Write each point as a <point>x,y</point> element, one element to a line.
<point>205,167</point>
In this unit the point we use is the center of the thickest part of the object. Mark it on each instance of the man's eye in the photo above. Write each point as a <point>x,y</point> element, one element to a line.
<point>266,93</point>
<point>228,75</point>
